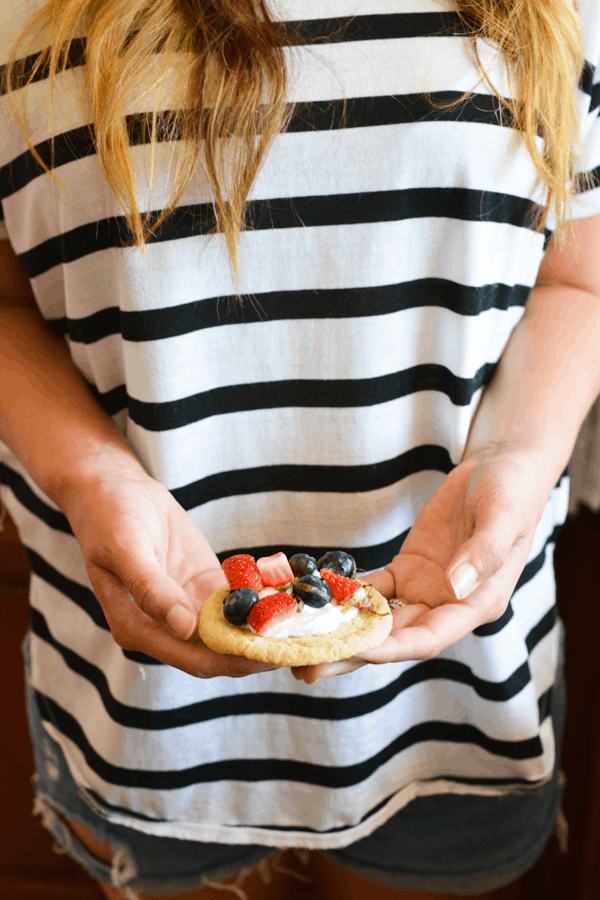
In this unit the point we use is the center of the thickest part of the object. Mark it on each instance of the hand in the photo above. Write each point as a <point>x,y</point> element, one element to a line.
<point>483,515</point>
<point>137,540</point>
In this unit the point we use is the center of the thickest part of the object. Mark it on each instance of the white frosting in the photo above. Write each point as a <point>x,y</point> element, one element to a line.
<point>308,622</point>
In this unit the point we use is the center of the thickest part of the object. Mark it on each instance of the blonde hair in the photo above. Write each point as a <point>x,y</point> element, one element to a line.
<point>543,48</point>
<point>231,97</point>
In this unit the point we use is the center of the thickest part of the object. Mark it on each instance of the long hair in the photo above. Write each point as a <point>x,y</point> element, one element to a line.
<point>230,101</point>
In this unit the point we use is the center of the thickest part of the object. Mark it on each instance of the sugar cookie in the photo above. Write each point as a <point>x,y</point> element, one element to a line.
<point>271,600</point>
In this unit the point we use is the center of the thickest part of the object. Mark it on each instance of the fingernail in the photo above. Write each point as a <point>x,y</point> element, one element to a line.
<point>463,580</point>
<point>181,621</point>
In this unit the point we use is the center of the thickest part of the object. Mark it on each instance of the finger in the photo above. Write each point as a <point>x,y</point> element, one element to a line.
<point>242,666</point>
<point>134,630</point>
<point>312,674</point>
<point>342,667</point>
<point>164,600</point>
<point>420,632</point>
<point>156,594</point>
<point>497,527</point>
<point>382,581</point>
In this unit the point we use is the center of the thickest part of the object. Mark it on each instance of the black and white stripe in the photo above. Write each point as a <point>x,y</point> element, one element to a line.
<point>388,255</point>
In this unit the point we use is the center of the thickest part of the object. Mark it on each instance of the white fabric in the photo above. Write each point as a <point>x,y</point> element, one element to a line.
<point>386,276</point>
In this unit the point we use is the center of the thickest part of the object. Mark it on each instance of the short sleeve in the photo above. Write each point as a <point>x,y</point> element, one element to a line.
<point>586,202</point>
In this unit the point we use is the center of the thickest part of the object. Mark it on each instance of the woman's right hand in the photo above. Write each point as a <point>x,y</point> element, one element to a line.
<point>139,543</point>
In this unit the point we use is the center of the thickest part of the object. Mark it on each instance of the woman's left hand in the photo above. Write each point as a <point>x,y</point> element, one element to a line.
<point>483,515</point>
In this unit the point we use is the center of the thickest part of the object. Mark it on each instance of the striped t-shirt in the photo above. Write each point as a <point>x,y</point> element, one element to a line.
<point>386,265</point>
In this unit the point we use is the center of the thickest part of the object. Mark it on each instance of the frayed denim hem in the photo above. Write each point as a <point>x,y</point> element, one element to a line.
<point>122,873</point>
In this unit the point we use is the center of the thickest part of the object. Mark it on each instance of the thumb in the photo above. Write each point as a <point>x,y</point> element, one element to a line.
<point>159,595</point>
<point>484,554</point>
<point>164,600</point>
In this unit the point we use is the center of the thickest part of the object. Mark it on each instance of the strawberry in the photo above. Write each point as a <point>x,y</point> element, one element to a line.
<point>241,572</point>
<point>342,588</point>
<point>271,609</point>
<point>275,570</point>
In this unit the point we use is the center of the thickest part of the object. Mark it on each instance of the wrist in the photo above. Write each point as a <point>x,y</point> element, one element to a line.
<point>545,381</point>
<point>546,459</point>
<point>107,462</point>
<point>48,415</point>
<point>494,433</point>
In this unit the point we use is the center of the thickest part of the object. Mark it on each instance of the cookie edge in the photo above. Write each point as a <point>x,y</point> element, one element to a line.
<point>221,636</point>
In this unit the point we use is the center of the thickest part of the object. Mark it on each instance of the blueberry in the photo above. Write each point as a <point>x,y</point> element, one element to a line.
<point>302,564</point>
<point>313,590</point>
<point>237,605</point>
<point>339,562</point>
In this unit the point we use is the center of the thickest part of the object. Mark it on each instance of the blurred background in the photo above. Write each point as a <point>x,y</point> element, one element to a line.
<point>29,869</point>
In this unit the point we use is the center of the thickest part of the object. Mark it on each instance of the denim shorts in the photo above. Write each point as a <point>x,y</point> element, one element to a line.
<point>447,843</point>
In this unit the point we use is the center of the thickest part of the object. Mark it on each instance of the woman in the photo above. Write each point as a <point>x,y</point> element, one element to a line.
<point>335,327</point>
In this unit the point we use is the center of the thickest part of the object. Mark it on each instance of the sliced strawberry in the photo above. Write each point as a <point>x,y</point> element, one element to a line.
<point>271,610</point>
<point>266,592</point>
<point>241,572</point>
<point>362,600</point>
<point>275,570</point>
<point>342,588</point>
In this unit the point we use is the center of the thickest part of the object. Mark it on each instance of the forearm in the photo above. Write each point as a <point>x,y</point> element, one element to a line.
<point>546,380</point>
<point>48,416</point>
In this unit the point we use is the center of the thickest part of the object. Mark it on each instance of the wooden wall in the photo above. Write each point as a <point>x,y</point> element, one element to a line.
<point>30,870</point>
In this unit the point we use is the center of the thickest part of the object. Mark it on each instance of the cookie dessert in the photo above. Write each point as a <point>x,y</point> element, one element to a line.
<point>294,612</point>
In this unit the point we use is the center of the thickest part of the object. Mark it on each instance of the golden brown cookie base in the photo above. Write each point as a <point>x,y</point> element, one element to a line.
<point>366,631</point>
